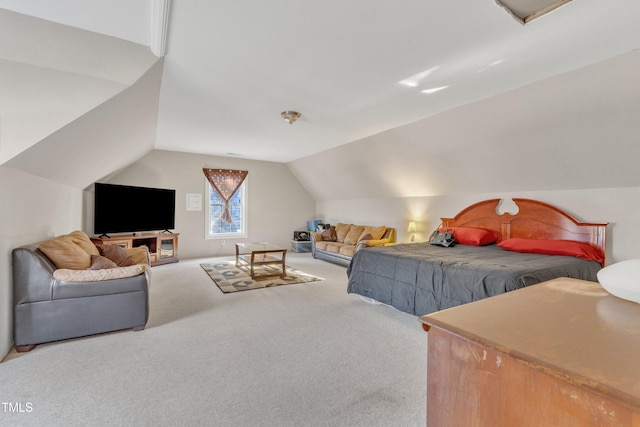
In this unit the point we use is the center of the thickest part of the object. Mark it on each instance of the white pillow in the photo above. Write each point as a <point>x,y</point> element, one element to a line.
<point>622,279</point>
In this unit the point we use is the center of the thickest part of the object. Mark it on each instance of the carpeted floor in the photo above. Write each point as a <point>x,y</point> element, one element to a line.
<point>302,355</point>
<point>230,278</point>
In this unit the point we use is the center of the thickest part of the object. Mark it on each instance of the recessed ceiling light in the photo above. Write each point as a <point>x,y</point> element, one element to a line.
<point>434,90</point>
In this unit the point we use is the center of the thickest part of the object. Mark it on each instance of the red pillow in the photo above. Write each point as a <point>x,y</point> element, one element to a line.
<point>553,247</point>
<point>472,236</point>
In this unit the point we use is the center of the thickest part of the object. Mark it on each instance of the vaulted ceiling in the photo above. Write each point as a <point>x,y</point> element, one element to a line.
<point>353,69</point>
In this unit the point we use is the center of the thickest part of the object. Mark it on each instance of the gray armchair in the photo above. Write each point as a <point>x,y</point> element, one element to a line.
<point>49,309</point>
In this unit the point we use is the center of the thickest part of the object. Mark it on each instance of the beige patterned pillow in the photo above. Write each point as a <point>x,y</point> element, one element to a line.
<point>67,275</point>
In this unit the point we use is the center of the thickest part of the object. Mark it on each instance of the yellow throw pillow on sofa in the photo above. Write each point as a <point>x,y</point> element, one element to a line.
<point>376,232</point>
<point>64,253</point>
<point>139,254</point>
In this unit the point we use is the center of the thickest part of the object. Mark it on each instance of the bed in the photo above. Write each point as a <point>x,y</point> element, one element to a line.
<point>538,243</point>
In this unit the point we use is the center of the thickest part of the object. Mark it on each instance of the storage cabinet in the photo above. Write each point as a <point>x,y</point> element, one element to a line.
<point>163,248</point>
<point>559,353</point>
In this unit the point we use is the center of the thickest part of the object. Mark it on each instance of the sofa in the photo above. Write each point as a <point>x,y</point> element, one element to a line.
<point>338,243</point>
<point>68,287</point>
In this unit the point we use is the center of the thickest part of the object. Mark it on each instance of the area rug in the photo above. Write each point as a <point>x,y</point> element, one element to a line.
<point>230,278</point>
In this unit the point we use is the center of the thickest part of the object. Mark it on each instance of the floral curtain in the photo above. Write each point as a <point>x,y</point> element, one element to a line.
<point>225,182</point>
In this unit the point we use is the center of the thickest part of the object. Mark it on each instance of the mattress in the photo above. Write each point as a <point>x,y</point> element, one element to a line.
<point>420,278</point>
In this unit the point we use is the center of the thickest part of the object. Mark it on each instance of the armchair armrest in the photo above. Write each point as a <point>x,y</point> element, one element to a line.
<point>379,242</point>
<point>315,236</point>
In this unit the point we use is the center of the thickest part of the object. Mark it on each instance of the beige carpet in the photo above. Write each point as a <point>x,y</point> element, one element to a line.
<point>287,356</point>
<point>230,278</point>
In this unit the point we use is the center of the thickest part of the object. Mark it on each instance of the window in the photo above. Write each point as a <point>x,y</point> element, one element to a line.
<point>217,228</point>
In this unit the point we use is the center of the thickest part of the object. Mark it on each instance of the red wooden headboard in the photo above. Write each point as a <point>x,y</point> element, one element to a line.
<point>534,220</point>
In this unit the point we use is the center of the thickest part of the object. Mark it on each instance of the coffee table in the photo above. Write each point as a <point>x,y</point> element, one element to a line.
<point>252,254</point>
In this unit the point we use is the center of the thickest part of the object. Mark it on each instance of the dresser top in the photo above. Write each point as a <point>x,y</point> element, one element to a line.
<point>566,327</point>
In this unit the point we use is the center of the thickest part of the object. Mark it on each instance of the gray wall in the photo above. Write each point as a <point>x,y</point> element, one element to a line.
<point>277,203</point>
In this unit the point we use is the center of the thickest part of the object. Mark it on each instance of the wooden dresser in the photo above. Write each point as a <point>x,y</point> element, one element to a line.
<point>560,353</point>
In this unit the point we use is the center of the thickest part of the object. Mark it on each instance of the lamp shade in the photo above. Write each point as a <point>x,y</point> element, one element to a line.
<point>412,227</point>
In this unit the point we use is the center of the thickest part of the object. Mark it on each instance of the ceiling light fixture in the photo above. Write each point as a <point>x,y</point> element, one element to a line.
<point>290,116</point>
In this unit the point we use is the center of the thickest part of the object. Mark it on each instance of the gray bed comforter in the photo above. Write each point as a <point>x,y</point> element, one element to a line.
<point>420,278</point>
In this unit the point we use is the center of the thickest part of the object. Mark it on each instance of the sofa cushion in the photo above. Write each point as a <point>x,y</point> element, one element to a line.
<point>98,262</point>
<point>354,234</point>
<point>341,231</point>
<point>116,254</point>
<point>322,245</point>
<point>64,253</point>
<point>347,250</point>
<point>335,247</point>
<point>375,232</point>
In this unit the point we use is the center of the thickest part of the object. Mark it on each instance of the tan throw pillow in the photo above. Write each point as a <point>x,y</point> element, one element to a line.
<point>354,234</point>
<point>81,239</point>
<point>341,231</point>
<point>376,232</point>
<point>98,262</point>
<point>139,254</point>
<point>64,253</point>
<point>329,235</point>
<point>116,254</point>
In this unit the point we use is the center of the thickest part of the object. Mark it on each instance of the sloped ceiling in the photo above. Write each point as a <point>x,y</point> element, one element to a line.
<point>565,83</point>
<point>353,69</point>
<point>578,130</point>
<point>73,94</point>
<point>357,68</point>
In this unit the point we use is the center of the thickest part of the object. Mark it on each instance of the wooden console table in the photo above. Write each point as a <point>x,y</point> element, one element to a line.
<point>163,247</point>
<point>560,353</point>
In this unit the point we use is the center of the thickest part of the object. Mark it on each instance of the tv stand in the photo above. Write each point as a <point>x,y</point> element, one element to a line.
<point>163,248</point>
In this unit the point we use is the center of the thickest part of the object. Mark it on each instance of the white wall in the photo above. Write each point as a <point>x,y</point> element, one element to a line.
<point>617,206</point>
<point>277,203</point>
<point>52,74</point>
<point>33,209</point>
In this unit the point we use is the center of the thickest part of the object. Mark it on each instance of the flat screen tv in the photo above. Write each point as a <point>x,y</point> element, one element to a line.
<point>123,208</point>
